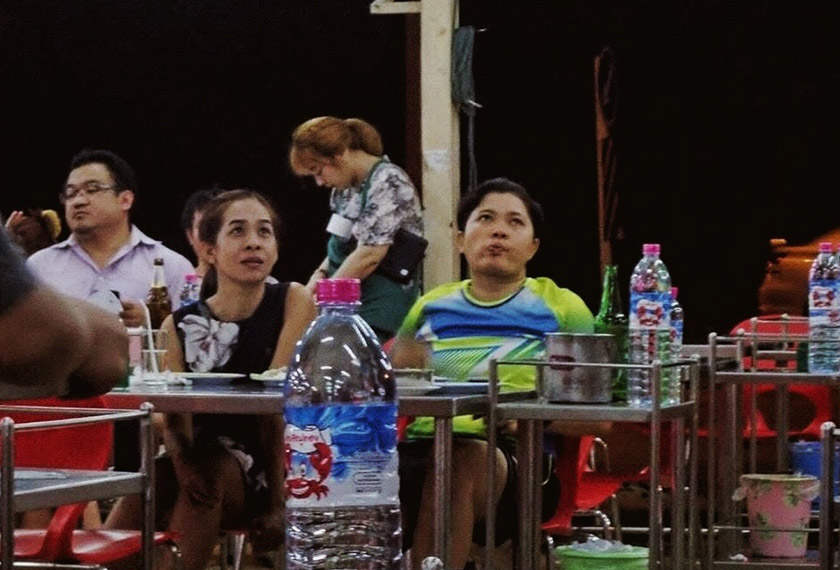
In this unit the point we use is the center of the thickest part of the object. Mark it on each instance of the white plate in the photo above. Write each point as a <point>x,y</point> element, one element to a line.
<point>262,377</point>
<point>451,387</point>
<point>412,383</point>
<point>209,375</point>
<point>416,390</point>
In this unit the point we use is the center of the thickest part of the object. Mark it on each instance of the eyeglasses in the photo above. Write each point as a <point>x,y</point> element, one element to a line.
<point>89,188</point>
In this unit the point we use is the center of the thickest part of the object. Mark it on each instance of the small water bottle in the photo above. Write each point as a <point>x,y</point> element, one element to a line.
<point>649,328</point>
<point>340,443</point>
<point>676,343</point>
<point>190,290</point>
<point>824,312</point>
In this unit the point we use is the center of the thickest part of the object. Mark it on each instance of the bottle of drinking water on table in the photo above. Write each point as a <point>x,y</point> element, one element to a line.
<point>650,328</point>
<point>340,456</point>
<point>824,312</point>
<point>676,343</point>
<point>191,290</point>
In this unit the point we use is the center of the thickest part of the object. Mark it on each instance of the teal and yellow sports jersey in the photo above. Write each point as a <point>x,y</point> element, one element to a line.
<point>465,333</point>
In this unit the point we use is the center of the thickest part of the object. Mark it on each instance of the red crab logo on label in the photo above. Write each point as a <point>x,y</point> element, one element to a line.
<point>306,478</point>
<point>822,297</point>
<point>650,313</point>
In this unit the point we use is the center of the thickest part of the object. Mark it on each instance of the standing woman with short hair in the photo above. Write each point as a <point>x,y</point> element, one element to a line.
<point>371,200</point>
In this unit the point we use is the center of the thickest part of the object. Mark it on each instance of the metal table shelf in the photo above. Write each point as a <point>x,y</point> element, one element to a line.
<point>24,489</point>
<point>75,487</point>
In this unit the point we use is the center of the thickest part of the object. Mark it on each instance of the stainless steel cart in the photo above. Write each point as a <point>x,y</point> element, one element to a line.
<point>531,415</point>
<point>727,523</point>
<point>19,494</point>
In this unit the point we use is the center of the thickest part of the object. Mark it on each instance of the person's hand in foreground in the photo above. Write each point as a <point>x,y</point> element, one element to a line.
<point>54,345</point>
<point>132,313</point>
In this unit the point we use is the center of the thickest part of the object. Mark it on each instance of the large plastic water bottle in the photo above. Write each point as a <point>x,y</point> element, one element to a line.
<point>824,312</point>
<point>342,482</point>
<point>650,328</point>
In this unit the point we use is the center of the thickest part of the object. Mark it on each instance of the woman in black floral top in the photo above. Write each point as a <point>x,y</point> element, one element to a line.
<point>371,200</point>
<point>225,470</point>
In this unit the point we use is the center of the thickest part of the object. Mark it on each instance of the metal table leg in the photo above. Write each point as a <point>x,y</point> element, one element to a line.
<point>782,415</point>
<point>826,542</point>
<point>529,442</point>
<point>7,491</point>
<point>443,486</point>
<point>147,459</point>
<point>678,494</point>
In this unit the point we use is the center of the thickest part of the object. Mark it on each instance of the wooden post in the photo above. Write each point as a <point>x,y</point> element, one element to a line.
<point>439,141</point>
<point>439,134</point>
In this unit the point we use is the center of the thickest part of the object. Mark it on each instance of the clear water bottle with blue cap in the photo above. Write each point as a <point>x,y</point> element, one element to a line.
<point>824,312</point>
<point>649,328</point>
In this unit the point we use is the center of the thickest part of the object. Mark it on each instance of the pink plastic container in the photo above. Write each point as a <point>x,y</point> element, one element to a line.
<point>776,506</point>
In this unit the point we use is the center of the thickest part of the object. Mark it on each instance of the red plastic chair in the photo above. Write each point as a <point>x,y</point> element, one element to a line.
<point>820,397</point>
<point>83,447</point>
<point>582,489</point>
<point>402,421</point>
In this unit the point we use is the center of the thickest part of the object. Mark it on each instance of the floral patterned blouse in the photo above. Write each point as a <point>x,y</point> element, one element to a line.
<point>390,203</point>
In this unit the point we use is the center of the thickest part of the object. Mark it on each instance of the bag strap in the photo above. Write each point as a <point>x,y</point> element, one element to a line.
<point>366,182</point>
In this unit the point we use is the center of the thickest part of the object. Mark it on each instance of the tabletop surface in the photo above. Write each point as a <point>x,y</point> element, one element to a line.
<point>250,397</point>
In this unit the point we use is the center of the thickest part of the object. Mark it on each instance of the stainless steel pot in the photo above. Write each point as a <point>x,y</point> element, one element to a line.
<point>565,383</point>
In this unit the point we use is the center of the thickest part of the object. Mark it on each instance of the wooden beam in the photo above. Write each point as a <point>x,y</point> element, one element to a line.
<point>391,7</point>
<point>439,134</point>
<point>440,142</point>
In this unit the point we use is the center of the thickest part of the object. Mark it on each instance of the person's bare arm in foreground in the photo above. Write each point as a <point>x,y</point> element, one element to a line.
<point>52,345</point>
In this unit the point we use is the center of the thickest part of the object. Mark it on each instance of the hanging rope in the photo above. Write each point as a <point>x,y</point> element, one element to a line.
<point>463,90</point>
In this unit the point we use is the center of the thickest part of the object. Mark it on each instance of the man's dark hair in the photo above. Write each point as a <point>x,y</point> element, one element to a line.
<point>121,171</point>
<point>196,202</point>
<point>470,201</point>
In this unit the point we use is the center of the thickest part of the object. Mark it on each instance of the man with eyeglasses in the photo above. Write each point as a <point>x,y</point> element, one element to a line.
<point>105,254</point>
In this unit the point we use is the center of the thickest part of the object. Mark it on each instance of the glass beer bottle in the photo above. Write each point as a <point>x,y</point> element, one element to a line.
<point>158,301</point>
<point>611,319</point>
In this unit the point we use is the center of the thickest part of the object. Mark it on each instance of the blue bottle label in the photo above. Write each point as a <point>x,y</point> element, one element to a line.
<point>341,455</point>
<point>650,310</point>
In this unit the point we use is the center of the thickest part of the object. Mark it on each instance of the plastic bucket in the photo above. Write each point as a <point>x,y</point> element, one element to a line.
<point>565,382</point>
<point>571,558</point>
<point>777,505</point>
<point>806,457</point>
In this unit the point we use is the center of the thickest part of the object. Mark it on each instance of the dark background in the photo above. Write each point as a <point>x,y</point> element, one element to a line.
<point>725,132</point>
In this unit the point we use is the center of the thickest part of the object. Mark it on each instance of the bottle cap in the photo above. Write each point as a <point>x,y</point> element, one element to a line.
<point>650,249</point>
<point>338,291</point>
<point>825,247</point>
<point>674,292</point>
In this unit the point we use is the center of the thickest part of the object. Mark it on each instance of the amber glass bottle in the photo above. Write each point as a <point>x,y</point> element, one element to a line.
<point>158,301</point>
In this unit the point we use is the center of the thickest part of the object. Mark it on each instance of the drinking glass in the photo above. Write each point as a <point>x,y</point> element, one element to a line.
<point>154,366</point>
